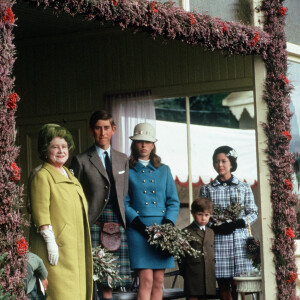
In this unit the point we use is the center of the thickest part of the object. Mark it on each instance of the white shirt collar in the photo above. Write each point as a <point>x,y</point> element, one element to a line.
<point>201,227</point>
<point>101,151</point>
<point>144,162</point>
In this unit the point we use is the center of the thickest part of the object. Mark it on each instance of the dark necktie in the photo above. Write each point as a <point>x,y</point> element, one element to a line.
<point>112,191</point>
<point>108,167</point>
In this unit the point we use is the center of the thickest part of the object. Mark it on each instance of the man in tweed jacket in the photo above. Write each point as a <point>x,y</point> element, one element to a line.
<point>105,194</point>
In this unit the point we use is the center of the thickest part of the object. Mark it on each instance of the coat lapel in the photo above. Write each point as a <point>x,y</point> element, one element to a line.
<point>95,160</point>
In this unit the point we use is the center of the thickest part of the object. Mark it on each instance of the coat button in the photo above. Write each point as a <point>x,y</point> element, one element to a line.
<point>150,171</point>
<point>146,203</point>
<point>105,200</point>
<point>106,187</point>
<point>224,184</point>
<point>60,244</point>
<point>163,211</point>
<point>153,192</point>
<point>137,211</point>
<point>145,192</point>
<point>144,180</point>
<point>154,202</point>
<point>143,171</point>
<point>152,180</point>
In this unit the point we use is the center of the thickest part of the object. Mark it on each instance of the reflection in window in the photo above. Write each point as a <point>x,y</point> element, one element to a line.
<point>294,76</point>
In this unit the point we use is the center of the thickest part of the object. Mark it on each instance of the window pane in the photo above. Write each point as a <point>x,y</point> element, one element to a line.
<point>294,75</point>
<point>223,119</point>
<point>292,21</point>
<point>172,145</point>
<point>234,10</point>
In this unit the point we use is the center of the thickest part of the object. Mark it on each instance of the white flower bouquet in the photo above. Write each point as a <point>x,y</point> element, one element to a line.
<point>105,267</point>
<point>172,240</point>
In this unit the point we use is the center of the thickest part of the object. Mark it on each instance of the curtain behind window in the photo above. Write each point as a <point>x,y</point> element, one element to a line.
<point>128,110</point>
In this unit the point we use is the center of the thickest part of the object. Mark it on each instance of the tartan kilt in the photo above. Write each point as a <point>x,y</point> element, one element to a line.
<point>108,215</point>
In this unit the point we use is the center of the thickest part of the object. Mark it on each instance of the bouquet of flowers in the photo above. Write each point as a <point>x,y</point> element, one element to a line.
<point>230,213</point>
<point>105,267</point>
<point>173,240</point>
<point>253,251</point>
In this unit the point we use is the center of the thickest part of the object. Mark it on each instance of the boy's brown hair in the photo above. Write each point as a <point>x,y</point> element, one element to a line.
<point>202,204</point>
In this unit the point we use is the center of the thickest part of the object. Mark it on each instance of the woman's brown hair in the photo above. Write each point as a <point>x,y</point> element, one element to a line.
<point>134,156</point>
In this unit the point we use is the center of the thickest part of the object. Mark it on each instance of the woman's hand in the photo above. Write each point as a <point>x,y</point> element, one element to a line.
<point>44,283</point>
<point>139,226</point>
<point>52,248</point>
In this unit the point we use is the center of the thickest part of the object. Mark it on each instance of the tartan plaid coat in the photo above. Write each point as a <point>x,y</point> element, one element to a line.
<point>230,250</point>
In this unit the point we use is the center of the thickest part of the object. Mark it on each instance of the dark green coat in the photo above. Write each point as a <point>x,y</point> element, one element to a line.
<point>199,273</point>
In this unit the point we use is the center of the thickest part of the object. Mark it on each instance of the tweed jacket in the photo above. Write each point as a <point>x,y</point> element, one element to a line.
<point>152,193</point>
<point>230,250</point>
<point>91,173</point>
<point>199,273</point>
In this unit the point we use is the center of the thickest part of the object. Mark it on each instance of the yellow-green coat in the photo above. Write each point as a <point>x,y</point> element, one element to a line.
<point>60,202</point>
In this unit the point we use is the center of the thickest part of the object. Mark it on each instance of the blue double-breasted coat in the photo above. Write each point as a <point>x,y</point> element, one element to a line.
<point>153,197</point>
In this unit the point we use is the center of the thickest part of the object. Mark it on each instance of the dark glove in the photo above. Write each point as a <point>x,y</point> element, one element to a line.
<point>167,221</point>
<point>164,253</point>
<point>240,223</point>
<point>139,226</point>
<point>225,228</point>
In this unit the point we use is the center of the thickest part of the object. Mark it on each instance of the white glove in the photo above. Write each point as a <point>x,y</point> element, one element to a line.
<point>52,247</point>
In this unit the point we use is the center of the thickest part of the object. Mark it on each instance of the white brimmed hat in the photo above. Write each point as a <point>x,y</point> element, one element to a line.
<point>144,132</point>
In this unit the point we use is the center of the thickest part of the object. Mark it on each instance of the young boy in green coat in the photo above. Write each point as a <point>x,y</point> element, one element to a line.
<point>199,273</point>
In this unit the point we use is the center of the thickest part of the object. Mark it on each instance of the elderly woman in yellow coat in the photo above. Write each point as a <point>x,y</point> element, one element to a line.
<point>60,232</point>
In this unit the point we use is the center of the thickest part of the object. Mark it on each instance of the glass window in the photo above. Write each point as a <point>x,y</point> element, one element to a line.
<point>234,10</point>
<point>292,21</point>
<point>294,76</point>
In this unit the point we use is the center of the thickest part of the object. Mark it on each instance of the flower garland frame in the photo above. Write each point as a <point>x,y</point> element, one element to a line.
<point>169,22</point>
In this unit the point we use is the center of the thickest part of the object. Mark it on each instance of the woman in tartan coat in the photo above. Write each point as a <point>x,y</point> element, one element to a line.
<point>230,237</point>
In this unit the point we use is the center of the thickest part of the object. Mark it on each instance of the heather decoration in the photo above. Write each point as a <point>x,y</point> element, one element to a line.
<point>253,252</point>
<point>105,267</point>
<point>170,23</point>
<point>172,240</point>
<point>229,214</point>
<point>11,221</point>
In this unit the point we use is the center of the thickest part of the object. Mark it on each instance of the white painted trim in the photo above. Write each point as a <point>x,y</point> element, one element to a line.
<point>293,52</point>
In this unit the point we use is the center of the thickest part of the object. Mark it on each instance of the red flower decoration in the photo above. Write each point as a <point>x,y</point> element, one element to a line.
<point>282,11</point>
<point>12,104</point>
<point>9,16</point>
<point>292,278</point>
<point>288,184</point>
<point>115,2</point>
<point>290,233</point>
<point>255,39</point>
<point>285,79</point>
<point>16,172</point>
<point>192,18</point>
<point>22,246</point>
<point>153,8</point>
<point>224,27</point>
<point>287,134</point>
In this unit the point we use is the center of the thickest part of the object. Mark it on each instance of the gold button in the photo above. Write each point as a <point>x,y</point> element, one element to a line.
<point>163,211</point>
<point>143,171</point>
<point>145,192</point>
<point>146,203</point>
<point>153,192</point>
<point>154,202</point>
<point>137,211</point>
<point>144,180</point>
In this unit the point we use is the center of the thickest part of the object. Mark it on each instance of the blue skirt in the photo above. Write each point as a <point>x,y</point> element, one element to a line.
<point>141,254</point>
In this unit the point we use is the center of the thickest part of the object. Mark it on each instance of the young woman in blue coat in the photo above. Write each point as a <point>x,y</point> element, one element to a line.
<point>152,198</point>
<point>230,237</point>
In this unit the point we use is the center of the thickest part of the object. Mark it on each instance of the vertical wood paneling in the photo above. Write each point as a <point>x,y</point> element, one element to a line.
<point>69,75</point>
